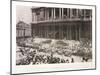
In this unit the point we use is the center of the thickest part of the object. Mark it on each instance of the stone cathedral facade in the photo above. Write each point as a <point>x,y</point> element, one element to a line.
<point>61,23</point>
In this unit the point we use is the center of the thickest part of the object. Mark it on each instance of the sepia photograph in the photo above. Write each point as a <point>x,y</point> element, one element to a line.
<point>54,35</point>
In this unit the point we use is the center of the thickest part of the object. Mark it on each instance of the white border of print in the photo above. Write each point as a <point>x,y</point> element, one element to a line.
<point>49,67</point>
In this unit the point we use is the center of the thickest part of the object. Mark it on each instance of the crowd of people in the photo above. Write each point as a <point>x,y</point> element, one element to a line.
<point>46,53</point>
<point>33,57</point>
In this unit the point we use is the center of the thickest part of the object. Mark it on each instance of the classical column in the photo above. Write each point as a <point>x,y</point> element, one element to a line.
<point>71,13</point>
<point>54,13</point>
<point>68,12</point>
<point>59,13</point>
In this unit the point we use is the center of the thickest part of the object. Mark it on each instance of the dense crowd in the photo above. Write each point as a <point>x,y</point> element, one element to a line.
<point>35,58</point>
<point>51,51</point>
